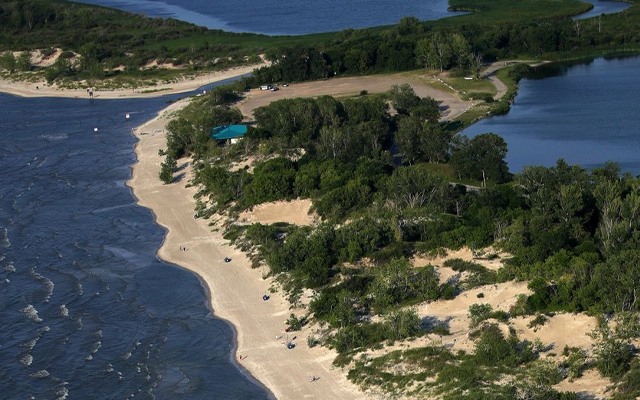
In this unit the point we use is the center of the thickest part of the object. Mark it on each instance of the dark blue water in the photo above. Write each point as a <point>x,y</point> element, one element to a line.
<point>87,311</point>
<point>296,17</point>
<point>587,114</point>
<point>603,7</point>
<point>290,17</point>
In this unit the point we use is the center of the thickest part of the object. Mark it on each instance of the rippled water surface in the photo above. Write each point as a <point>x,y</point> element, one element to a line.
<point>290,17</point>
<point>587,114</point>
<point>87,311</point>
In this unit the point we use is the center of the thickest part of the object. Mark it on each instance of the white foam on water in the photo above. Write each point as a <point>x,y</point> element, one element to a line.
<point>43,373</point>
<point>4,238</point>
<point>46,282</point>
<point>62,393</point>
<point>30,344</point>
<point>59,136</point>
<point>31,313</point>
<point>64,311</point>
<point>26,360</point>
<point>10,267</point>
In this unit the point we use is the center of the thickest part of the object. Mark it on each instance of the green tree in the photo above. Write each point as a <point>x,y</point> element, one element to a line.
<point>416,187</point>
<point>403,98</point>
<point>481,158</point>
<point>167,168</point>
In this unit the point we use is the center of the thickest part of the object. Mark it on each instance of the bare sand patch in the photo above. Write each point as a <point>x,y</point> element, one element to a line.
<point>295,212</point>
<point>591,385</point>
<point>155,64</point>
<point>559,331</point>
<point>39,59</point>
<point>501,297</point>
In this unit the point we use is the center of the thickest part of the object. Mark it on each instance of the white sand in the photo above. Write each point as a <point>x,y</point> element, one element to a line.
<point>235,289</point>
<point>295,212</point>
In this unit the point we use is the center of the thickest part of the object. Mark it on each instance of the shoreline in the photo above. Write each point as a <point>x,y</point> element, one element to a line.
<point>234,289</point>
<point>42,89</point>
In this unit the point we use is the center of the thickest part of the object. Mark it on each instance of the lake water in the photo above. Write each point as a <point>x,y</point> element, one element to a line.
<point>603,7</point>
<point>87,310</point>
<point>296,17</point>
<point>587,114</point>
<point>290,17</point>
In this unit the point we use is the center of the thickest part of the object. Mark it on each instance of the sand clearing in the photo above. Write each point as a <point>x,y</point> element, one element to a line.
<point>235,289</point>
<point>590,386</point>
<point>559,331</point>
<point>465,254</point>
<point>351,86</point>
<point>455,312</point>
<point>295,212</point>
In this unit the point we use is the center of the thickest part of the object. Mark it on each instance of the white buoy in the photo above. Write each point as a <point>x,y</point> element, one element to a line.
<point>126,115</point>
<point>95,129</point>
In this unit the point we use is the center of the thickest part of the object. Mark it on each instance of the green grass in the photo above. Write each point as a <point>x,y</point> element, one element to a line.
<point>492,11</point>
<point>468,88</point>
<point>243,42</point>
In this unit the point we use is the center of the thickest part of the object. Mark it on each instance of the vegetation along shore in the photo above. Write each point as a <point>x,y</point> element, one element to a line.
<point>399,258</point>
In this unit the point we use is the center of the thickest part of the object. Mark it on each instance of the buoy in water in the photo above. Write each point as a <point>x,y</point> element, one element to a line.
<point>126,115</point>
<point>95,130</point>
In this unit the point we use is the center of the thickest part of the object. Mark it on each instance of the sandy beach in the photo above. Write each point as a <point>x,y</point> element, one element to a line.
<point>42,89</point>
<point>235,288</point>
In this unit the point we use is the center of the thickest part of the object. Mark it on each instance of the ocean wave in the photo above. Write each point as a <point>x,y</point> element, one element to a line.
<point>26,360</point>
<point>46,282</point>
<point>4,238</point>
<point>64,311</point>
<point>96,345</point>
<point>62,393</point>
<point>10,267</point>
<point>58,136</point>
<point>43,373</point>
<point>29,345</point>
<point>31,313</point>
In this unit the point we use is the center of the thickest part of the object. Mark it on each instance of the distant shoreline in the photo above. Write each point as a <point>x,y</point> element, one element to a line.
<point>42,89</point>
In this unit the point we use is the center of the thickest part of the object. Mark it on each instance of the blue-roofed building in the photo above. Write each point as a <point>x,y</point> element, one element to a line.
<point>229,133</point>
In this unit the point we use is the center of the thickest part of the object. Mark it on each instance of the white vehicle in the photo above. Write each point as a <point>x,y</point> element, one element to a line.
<point>266,87</point>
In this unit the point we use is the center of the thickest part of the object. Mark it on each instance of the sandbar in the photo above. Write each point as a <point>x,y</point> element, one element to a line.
<point>42,89</point>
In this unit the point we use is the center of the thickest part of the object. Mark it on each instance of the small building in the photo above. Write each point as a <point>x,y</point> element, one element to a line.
<point>228,133</point>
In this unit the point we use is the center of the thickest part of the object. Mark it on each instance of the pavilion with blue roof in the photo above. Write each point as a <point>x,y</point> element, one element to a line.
<point>228,133</point>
